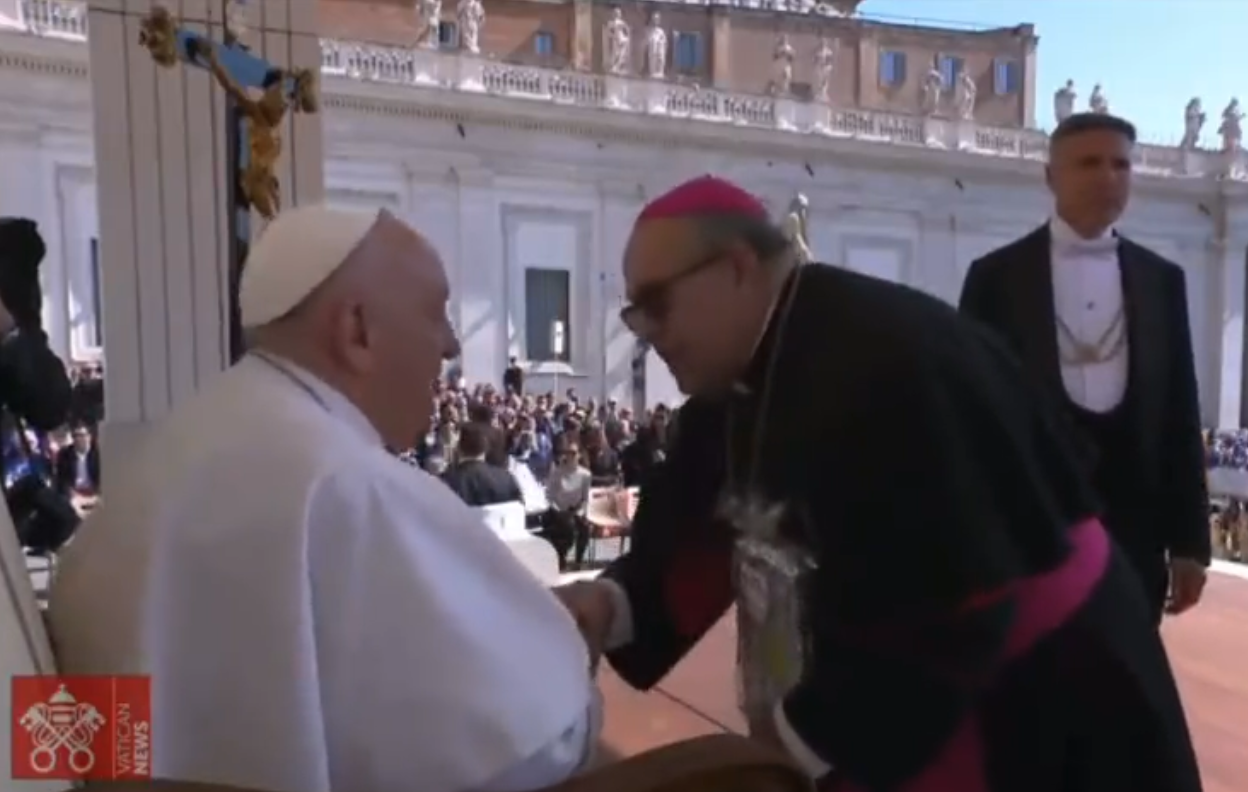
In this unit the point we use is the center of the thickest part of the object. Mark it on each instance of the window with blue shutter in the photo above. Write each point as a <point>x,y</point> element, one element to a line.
<point>687,53</point>
<point>448,35</point>
<point>1007,76</point>
<point>950,69</point>
<point>892,67</point>
<point>544,43</point>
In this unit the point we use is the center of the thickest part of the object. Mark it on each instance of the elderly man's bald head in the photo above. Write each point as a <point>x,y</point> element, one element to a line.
<point>375,327</point>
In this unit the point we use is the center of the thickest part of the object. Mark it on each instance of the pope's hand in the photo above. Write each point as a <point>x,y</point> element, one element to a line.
<point>593,608</point>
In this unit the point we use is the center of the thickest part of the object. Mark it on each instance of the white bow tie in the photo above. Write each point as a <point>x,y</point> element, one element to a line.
<point>1089,246</point>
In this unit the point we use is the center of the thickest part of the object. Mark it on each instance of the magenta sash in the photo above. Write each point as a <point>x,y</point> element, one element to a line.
<point>1043,604</point>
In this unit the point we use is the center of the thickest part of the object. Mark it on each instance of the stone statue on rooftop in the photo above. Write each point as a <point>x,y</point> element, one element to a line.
<point>618,44</point>
<point>1231,130</point>
<point>1064,101</point>
<point>825,65</point>
<point>782,66</point>
<point>795,228</point>
<point>964,96</point>
<point>471,16</point>
<point>430,20</point>
<point>1193,122</point>
<point>933,89</point>
<point>1097,102</point>
<point>656,47</point>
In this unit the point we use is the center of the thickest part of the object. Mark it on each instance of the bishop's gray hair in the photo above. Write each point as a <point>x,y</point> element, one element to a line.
<point>763,237</point>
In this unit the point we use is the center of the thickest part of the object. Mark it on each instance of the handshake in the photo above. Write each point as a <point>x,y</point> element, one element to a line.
<point>593,605</point>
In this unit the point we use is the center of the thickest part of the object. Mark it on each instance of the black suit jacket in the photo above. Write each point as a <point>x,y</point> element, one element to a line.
<point>479,483</point>
<point>1011,291</point>
<point>66,468</point>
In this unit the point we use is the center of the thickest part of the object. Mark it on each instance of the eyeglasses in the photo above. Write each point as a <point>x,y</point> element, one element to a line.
<point>653,302</point>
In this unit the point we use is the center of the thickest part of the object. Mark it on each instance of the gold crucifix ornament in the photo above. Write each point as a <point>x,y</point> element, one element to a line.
<point>261,93</point>
<point>767,575</point>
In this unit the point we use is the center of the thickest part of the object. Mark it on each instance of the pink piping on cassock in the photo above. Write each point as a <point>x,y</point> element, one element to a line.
<point>1043,604</point>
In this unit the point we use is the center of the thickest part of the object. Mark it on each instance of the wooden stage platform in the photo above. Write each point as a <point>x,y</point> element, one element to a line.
<point>1209,649</point>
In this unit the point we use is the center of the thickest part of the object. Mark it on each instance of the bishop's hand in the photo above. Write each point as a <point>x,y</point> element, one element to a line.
<point>7,322</point>
<point>1187,584</point>
<point>593,607</point>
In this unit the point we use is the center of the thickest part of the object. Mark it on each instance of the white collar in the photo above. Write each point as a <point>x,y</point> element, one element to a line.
<point>328,397</point>
<point>1061,232</point>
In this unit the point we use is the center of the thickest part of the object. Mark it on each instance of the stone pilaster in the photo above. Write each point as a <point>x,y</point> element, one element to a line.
<point>582,54</point>
<point>481,277</point>
<point>721,44</point>
<point>620,203</point>
<point>1223,307</point>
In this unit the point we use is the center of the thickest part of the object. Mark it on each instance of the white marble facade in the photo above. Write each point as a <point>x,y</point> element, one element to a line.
<point>519,194</point>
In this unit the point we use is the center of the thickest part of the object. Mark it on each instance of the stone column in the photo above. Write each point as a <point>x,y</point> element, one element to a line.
<point>160,154</point>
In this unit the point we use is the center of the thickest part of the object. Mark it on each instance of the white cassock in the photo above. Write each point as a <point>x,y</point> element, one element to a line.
<point>315,614</point>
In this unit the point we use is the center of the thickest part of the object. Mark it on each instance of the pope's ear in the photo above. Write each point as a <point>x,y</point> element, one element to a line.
<point>1048,176</point>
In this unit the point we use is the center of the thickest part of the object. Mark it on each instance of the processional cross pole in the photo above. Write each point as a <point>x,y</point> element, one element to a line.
<point>258,96</point>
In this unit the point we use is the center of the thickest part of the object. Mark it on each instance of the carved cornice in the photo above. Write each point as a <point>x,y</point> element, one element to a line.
<point>34,64</point>
<point>473,177</point>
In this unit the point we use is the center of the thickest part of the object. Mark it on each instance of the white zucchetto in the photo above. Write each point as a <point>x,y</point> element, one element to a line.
<point>298,252</point>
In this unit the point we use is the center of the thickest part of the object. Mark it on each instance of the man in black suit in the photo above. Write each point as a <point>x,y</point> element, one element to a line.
<point>78,465</point>
<point>513,377</point>
<point>1102,324</point>
<point>474,480</point>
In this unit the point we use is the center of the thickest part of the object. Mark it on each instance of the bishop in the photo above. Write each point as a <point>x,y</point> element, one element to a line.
<point>926,595</point>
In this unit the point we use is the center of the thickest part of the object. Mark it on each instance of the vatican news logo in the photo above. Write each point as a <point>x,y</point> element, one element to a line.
<point>95,728</point>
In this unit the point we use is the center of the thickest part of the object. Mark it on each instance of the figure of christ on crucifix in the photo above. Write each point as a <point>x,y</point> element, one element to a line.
<point>263,116</point>
<point>259,96</point>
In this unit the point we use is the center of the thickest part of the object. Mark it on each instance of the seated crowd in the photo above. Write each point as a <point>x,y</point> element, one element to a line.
<point>489,445</point>
<point>1227,449</point>
<point>50,475</point>
<point>492,446</point>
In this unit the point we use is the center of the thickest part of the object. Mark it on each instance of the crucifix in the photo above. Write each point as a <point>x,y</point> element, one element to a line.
<point>258,96</point>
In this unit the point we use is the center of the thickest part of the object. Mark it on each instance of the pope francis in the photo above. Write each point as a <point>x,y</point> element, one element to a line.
<point>315,614</point>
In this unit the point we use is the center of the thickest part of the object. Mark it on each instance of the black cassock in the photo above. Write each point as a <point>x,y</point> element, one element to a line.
<point>967,624</point>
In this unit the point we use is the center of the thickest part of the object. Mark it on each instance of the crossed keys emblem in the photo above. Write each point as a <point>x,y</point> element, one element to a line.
<point>62,722</point>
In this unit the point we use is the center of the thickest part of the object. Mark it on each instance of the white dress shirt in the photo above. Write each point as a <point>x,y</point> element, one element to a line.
<point>82,471</point>
<point>1087,297</point>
